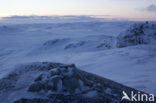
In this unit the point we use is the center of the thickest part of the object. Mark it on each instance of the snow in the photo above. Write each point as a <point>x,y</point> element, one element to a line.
<point>91,94</point>
<point>108,91</point>
<point>132,66</point>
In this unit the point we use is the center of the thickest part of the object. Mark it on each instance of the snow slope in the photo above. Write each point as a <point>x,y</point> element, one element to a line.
<point>90,45</point>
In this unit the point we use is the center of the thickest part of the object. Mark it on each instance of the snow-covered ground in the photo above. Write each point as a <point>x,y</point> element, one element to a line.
<point>89,45</point>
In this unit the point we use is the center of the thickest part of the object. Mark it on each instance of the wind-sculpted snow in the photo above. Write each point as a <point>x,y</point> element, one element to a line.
<point>8,30</point>
<point>88,43</point>
<point>56,42</point>
<point>45,82</point>
<point>142,33</point>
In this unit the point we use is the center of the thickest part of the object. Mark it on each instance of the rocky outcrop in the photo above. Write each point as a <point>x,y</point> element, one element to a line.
<point>75,45</point>
<point>141,33</point>
<point>59,83</point>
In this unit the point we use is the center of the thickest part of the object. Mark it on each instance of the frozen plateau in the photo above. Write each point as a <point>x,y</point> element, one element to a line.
<point>76,62</point>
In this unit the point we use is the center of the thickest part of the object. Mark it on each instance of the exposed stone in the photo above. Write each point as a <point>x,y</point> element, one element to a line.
<point>60,83</point>
<point>137,34</point>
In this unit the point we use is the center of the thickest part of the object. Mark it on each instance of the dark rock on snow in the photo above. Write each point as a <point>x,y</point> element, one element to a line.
<point>141,33</point>
<point>60,83</point>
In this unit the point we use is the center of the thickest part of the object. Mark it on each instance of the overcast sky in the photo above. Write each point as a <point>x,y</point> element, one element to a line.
<point>133,9</point>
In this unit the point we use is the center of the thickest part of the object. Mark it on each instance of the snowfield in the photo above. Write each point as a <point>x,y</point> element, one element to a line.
<point>108,49</point>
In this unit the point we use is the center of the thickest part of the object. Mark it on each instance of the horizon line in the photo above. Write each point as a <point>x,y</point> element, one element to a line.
<point>109,17</point>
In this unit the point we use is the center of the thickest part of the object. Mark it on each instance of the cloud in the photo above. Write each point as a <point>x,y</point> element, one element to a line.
<point>151,8</point>
<point>47,19</point>
<point>57,19</point>
<point>26,17</point>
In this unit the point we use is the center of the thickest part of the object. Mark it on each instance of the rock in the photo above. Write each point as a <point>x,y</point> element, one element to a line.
<point>60,83</point>
<point>36,87</point>
<point>137,34</point>
<point>35,100</point>
<point>75,45</point>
